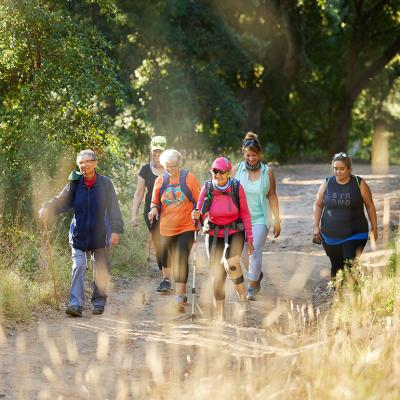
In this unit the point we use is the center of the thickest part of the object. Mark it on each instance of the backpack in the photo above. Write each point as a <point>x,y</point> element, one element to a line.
<point>210,193</point>
<point>182,183</point>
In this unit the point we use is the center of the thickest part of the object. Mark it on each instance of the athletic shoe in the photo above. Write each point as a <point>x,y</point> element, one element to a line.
<point>251,293</point>
<point>74,311</point>
<point>164,286</point>
<point>97,310</point>
<point>181,301</point>
<point>258,287</point>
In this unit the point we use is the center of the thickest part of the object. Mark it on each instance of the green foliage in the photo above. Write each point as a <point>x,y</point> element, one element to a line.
<point>57,85</point>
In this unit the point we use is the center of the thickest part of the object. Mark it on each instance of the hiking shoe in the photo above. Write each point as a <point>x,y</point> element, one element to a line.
<point>258,287</point>
<point>74,311</point>
<point>181,301</point>
<point>164,286</point>
<point>97,310</point>
<point>251,293</point>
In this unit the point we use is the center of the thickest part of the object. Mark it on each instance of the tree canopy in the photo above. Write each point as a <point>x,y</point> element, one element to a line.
<point>311,77</point>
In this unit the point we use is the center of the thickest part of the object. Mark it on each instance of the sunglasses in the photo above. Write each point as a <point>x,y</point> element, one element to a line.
<point>218,171</point>
<point>251,142</point>
<point>340,156</point>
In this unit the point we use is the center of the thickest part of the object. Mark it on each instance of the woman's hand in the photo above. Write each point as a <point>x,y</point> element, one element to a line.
<point>317,235</point>
<point>277,229</point>
<point>374,234</point>
<point>196,214</point>
<point>134,222</point>
<point>250,248</point>
<point>153,214</point>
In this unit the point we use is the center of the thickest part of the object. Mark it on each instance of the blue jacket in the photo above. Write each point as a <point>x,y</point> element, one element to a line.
<point>96,212</point>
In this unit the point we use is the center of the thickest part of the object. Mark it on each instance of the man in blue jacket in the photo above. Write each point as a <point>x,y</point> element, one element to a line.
<point>97,224</point>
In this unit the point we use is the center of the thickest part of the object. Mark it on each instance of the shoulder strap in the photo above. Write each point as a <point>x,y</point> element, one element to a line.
<point>358,179</point>
<point>235,192</point>
<point>165,181</point>
<point>184,187</point>
<point>209,189</point>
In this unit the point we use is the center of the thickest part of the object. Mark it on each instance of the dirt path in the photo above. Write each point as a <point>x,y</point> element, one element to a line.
<point>123,353</point>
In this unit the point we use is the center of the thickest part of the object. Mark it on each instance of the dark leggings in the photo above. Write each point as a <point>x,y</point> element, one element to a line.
<point>343,252</point>
<point>236,242</point>
<point>178,248</point>
<point>161,253</point>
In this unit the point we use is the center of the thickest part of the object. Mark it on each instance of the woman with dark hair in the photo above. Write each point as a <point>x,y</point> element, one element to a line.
<point>147,175</point>
<point>339,219</point>
<point>259,184</point>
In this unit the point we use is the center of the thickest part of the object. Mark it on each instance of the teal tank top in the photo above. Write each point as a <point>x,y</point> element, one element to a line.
<point>259,208</point>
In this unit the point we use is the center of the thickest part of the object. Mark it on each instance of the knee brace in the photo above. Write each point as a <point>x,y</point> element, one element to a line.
<point>234,270</point>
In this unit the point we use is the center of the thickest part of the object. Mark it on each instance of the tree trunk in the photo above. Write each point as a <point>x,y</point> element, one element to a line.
<point>341,127</point>
<point>380,148</point>
<point>253,102</point>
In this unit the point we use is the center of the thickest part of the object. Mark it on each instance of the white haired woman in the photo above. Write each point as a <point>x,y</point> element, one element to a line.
<point>147,176</point>
<point>175,195</point>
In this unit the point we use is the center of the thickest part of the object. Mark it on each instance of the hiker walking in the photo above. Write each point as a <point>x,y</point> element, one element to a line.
<point>147,175</point>
<point>259,185</point>
<point>222,202</point>
<point>96,225</point>
<point>174,197</point>
<point>339,218</point>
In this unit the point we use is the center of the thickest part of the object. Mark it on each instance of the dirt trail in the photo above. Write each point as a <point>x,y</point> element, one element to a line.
<point>117,354</point>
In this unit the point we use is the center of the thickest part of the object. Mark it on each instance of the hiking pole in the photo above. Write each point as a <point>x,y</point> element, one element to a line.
<point>194,268</point>
<point>146,267</point>
<point>51,263</point>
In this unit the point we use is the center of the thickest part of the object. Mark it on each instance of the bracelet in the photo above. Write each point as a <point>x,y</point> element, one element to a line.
<point>153,207</point>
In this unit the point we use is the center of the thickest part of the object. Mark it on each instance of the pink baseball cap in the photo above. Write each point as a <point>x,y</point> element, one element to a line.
<point>222,163</point>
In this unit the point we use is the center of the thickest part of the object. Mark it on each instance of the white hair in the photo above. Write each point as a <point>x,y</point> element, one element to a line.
<point>87,152</point>
<point>170,156</point>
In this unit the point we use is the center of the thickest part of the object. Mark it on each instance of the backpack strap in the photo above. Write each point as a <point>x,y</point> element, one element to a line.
<point>235,192</point>
<point>209,189</point>
<point>184,187</point>
<point>165,181</point>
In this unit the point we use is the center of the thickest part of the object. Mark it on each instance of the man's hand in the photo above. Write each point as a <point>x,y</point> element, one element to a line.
<point>114,240</point>
<point>44,214</point>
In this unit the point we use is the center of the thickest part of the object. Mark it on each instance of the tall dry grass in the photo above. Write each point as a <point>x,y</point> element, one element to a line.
<point>350,350</point>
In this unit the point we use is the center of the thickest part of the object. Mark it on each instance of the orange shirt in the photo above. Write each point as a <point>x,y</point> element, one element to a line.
<point>176,208</point>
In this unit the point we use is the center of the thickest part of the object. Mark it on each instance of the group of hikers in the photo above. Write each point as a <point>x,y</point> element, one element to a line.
<point>235,208</point>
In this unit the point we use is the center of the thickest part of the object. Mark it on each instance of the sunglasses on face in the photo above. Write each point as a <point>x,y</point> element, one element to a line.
<point>218,171</point>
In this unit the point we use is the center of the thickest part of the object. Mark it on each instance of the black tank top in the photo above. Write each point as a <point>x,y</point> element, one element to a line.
<point>343,213</point>
<point>149,178</point>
